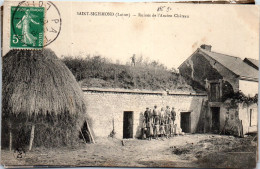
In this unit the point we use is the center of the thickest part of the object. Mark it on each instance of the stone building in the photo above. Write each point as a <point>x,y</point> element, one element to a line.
<point>214,111</point>
<point>224,76</point>
<point>122,109</point>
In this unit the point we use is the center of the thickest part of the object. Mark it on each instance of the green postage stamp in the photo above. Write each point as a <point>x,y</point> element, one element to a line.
<point>27,27</point>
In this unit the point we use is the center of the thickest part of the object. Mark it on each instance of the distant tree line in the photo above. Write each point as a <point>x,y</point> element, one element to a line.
<point>98,71</point>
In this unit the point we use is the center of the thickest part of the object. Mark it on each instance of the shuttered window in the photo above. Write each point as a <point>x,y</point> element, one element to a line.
<point>214,92</point>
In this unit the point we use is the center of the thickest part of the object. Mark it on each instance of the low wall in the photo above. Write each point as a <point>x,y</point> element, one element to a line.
<point>106,105</point>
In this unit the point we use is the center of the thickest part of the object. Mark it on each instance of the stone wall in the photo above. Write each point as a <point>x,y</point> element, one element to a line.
<point>104,106</point>
<point>200,67</point>
<point>244,115</point>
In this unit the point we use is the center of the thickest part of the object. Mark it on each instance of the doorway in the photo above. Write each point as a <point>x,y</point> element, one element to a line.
<point>85,133</point>
<point>185,122</point>
<point>128,124</point>
<point>215,111</point>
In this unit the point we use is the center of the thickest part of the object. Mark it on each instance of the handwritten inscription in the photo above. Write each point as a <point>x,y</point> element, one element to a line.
<point>164,8</point>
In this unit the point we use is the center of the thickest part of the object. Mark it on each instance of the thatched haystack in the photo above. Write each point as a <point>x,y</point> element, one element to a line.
<point>41,100</point>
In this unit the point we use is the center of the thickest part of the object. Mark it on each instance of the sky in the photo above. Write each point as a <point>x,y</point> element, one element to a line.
<point>231,29</point>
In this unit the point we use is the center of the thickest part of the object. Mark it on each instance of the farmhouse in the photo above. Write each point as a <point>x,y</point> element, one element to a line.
<point>213,111</point>
<point>223,77</point>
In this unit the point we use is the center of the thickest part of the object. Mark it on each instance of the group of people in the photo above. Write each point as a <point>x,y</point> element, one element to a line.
<point>158,123</point>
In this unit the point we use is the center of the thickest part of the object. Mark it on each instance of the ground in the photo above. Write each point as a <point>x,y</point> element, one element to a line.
<point>194,150</point>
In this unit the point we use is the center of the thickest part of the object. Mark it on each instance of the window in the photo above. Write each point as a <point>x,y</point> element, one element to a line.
<point>215,92</point>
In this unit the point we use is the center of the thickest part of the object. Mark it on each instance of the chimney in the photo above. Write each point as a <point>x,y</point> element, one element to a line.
<point>206,47</point>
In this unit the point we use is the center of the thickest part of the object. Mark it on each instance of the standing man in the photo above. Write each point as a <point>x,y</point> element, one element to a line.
<point>162,115</point>
<point>173,115</point>
<point>168,112</point>
<point>155,112</point>
<point>156,119</point>
<point>150,114</point>
<point>146,115</point>
<point>133,60</point>
<point>156,126</point>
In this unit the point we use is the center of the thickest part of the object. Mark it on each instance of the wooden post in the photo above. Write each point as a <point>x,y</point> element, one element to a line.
<point>242,129</point>
<point>10,139</point>
<point>83,136</point>
<point>32,137</point>
<point>202,110</point>
<point>92,138</point>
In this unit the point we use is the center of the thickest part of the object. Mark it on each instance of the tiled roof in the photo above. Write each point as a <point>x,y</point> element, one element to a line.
<point>234,64</point>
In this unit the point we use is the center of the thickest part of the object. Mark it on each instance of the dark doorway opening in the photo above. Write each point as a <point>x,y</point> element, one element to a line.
<point>185,122</point>
<point>215,111</point>
<point>128,124</point>
<point>84,133</point>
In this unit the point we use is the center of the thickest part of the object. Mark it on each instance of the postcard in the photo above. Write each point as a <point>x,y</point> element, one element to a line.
<point>129,84</point>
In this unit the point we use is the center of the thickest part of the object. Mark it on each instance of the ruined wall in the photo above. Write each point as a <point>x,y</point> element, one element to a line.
<point>235,114</point>
<point>229,118</point>
<point>103,107</point>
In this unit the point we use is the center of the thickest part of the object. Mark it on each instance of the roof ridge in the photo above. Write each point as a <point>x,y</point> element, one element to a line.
<point>251,58</point>
<point>222,54</point>
<point>234,67</point>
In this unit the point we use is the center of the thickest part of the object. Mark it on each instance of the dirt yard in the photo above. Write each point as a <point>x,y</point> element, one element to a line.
<point>196,150</point>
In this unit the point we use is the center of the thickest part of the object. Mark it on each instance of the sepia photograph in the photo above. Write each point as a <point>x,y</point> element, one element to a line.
<point>140,84</point>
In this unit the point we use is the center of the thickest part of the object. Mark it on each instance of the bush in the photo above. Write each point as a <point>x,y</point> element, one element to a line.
<point>100,72</point>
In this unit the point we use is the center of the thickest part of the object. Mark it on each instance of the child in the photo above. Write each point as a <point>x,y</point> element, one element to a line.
<point>162,113</point>
<point>162,129</point>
